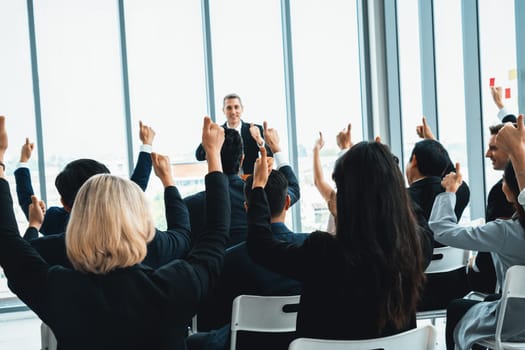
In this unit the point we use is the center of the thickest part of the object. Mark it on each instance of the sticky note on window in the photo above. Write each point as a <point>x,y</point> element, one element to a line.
<point>513,74</point>
<point>491,82</point>
<point>507,92</point>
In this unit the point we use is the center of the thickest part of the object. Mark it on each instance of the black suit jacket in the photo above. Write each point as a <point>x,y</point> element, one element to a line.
<point>336,301</point>
<point>129,308</point>
<point>440,288</point>
<point>424,191</point>
<point>56,218</point>
<point>165,246</point>
<point>239,226</point>
<point>251,150</point>
<point>241,275</point>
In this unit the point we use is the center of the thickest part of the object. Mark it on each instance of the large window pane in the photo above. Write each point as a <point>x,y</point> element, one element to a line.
<point>409,72</point>
<point>167,86</point>
<point>498,60</point>
<point>248,59</point>
<point>450,85</point>
<point>327,91</point>
<point>81,85</point>
<point>16,98</point>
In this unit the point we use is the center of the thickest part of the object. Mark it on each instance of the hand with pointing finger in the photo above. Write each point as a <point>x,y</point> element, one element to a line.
<point>452,180</point>
<point>511,139</point>
<point>272,138</point>
<point>260,170</point>
<point>424,130</point>
<point>344,138</point>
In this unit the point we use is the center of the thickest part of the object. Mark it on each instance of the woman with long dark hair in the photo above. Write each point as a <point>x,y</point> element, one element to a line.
<point>365,281</point>
<point>468,320</point>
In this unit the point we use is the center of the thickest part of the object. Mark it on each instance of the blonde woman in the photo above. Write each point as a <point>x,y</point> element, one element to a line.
<point>109,300</point>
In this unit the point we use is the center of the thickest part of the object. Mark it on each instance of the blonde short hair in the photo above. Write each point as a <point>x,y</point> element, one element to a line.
<point>109,226</point>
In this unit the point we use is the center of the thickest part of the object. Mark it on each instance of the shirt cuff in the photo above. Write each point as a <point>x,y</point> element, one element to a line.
<point>521,198</point>
<point>22,165</point>
<point>280,159</point>
<point>342,151</point>
<point>475,267</point>
<point>502,113</point>
<point>146,148</point>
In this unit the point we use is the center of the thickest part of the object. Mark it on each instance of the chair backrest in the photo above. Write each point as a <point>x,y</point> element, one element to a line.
<point>445,259</point>
<point>272,314</point>
<point>513,287</point>
<point>49,342</point>
<point>422,338</point>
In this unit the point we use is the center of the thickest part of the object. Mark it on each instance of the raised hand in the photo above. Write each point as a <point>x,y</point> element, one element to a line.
<point>3,138</point>
<point>452,180</point>
<point>260,169</point>
<point>146,134</point>
<point>27,150</point>
<point>256,134</point>
<point>212,140</point>
<point>37,211</point>
<point>162,168</point>
<point>497,96</point>
<point>511,139</point>
<point>344,137</point>
<point>424,130</point>
<point>272,138</point>
<point>319,144</point>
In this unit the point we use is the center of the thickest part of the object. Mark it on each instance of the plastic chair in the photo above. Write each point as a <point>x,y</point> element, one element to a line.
<point>513,287</point>
<point>271,314</point>
<point>421,338</point>
<point>444,259</point>
<point>47,338</point>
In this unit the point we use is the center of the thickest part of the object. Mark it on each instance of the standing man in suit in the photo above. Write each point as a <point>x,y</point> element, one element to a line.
<point>232,108</point>
<point>232,159</point>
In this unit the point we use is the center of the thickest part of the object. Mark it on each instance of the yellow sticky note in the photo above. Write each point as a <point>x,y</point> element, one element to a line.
<point>513,74</point>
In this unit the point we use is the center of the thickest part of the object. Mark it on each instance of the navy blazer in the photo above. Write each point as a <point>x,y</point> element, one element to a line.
<point>424,191</point>
<point>165,246</point>
<point>129,308</point>
<point>241,275</point>
<point>251,150</point>
<point>239,226</point>
<point>56,218</point>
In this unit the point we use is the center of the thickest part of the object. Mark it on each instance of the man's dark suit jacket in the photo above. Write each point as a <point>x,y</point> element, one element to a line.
<point>239,226</point>
<point>241,275</point>
<point>56,218</point>
<point>424,191</point>
<point>132,308</point>
<point>165,246</point>
<point>251,150</point>
<point>497,208</point>
<point>440,288</point>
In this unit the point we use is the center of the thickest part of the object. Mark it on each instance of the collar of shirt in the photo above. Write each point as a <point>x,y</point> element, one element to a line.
<point>237,128</point>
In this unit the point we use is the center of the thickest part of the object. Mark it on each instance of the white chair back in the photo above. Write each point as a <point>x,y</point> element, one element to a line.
<point>513,287</point>
<point>263,314</point>
<point>421,338</point>
<point>49,342</point>
<point>447,259</point>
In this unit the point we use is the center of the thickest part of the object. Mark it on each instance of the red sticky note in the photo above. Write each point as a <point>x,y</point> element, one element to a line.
<point>491,83</point>
<point>507,92</point>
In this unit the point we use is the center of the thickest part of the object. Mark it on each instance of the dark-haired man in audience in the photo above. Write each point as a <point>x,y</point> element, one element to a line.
<point>232,108</point>
<point>232,158</point>
<point>429,163</point>
<point>481,273</point>
<point>241,275</point>
<point>69,180</point>
<point>163,248</point>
